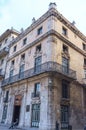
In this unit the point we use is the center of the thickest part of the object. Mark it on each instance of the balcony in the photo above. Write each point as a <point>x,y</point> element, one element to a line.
<point>50,66</point>
<point>4,51</point>
<point>35,95</point>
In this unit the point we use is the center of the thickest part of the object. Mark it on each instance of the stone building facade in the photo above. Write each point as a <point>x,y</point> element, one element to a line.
<point>45,77</point>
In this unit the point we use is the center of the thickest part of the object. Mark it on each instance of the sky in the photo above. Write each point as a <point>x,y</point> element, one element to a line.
<point>19,13</point>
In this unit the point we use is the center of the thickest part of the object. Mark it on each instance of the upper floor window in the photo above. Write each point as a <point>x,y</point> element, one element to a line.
<point>85,73</point>
<point>14,48</point>
<point>38,64</point>
<point>23,58</point>
<point>65,65</point>
<point>84,62</point>
<point>38,48</point>
<point>12,62</point>
<point>84,46</point>
<point>7,95</point>
<point>39,31</point>
<point>65,48</point>
<point>2,61</point>
<point>64,31</point>
<point>11,74</point>
<point>24,41</point>
<point>37,89</point>
<point>6,40</point>
<point>65,89</point>
<point>21,71</point>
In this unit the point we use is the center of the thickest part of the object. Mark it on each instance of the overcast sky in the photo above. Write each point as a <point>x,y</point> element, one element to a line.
<point>19,13</point>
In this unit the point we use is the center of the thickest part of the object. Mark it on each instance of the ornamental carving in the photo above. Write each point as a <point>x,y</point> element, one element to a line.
<point>18,90</point>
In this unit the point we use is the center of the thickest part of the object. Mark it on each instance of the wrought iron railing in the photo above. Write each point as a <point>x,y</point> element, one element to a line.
<point>34,95</point>
<point>46,67</point>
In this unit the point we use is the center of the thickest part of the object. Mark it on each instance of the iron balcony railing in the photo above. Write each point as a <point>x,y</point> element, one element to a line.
<point>46,67</point>
<point>35,94</point>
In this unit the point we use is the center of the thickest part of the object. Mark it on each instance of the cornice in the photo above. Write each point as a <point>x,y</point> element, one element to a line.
<point>60,17</point>
<point>49,33</point>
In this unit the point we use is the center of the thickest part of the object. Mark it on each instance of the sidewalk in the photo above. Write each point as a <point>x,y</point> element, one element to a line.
<point>6,127</point>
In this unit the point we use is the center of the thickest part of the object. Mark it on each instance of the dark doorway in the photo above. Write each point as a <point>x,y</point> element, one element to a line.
<point>16,113</point>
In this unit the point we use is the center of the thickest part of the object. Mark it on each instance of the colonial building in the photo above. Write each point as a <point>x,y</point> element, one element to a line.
<point>45,76</point>
<point>5,40</point>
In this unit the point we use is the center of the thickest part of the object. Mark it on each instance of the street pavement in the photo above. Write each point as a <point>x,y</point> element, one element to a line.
<point>7,128</point>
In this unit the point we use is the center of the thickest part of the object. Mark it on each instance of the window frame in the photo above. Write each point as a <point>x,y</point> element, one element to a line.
<point>64,116</point>
<point>64,31</point>
<point>24,41</point>
<point>65,89</point>
<point>65,65</point>
<point>38,48</point>
<point>39,30</point>
<point>65,48</point>
<point>14,48</point>
<point>84,46</point>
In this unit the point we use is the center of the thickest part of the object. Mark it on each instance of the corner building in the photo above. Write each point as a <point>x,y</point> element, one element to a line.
<point>45,81</point>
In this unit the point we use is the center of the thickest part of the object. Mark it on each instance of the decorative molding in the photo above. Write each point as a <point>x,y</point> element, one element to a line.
<point>18,90</point>
<point>52,39</point>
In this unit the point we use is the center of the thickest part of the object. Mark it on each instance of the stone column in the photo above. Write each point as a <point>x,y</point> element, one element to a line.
<point>51,106</point>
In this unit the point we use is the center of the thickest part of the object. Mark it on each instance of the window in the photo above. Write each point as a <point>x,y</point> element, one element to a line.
<point>6,40</point>
<point>85,73</point>
<point>24,41</point>
<point>7,95</point>
<point>84,46</point>
<point>12,63</point>
<point>64,31</point>
<point>2,61</point>
<point>64,116</point>
<point>23,57</point>
<point>65,89</point>
<point>37,90</point>
<point>35,115</point>
<point>38,64</point>
<point>84,62</point>
<point>38,48</point>
<point>65,48</point>
<point>65,65</point>
<point>11,73</point>
<point>14,48</point>
<point>21,71</point>
<point>39,31</point>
